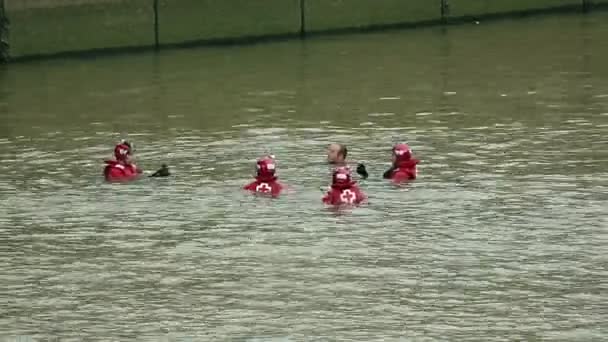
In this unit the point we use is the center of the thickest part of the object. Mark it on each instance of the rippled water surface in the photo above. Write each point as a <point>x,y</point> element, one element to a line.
<point>502,238</point>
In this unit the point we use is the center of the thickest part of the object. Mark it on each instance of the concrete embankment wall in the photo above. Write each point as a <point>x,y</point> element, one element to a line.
<point>34,28</point>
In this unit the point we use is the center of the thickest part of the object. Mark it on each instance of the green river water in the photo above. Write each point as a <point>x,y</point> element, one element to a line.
<point>502,238</point>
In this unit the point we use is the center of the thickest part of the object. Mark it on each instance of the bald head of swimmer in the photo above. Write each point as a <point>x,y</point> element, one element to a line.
<point>336,153</point>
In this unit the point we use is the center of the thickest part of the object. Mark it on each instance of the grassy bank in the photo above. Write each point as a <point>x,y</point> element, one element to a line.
<point>196,20</point>
<point>80,27</point>
<point>58,26</point>
<point>462,8</point>
<point>325,15</point>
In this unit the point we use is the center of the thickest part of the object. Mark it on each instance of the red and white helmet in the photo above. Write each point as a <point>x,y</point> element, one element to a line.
<point>342,176</point>
<point>402,152</point>
<point>266,167</point>
<point>121,151</point>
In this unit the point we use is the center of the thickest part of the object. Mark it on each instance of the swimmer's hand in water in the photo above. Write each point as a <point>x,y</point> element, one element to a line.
<point>388,173</point>
<point>362,171</point>
<point>162,172</point>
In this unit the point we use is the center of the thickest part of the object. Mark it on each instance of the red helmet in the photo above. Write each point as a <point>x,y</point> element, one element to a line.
<point>402,152</point>
<point>266,167</point>
<point>342,176</point>
<point>121,151</point>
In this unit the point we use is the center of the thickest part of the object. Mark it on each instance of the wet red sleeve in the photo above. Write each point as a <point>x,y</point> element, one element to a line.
<point>250,187</point>
<point>276,189</point>
<point>361,197</point>
<point>327,198</point>
<point>404,176</point>
<point>106,171</point>
<point>114,174</point>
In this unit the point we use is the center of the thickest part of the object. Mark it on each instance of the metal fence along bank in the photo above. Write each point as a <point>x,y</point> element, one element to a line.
<point>38,28</point>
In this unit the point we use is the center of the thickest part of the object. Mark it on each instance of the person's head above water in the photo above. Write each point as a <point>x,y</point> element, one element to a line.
<point>266,168</point>
<point>342,178</point>
<point>336,153</point>
<point>401,153</point>
<point>122,152</point>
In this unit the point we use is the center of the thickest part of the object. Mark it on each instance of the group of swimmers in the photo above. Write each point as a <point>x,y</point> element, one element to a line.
<point>343,190</point>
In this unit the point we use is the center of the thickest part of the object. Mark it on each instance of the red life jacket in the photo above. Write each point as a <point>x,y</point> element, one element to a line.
<point>405,171</point>
<point>118,172</point>
<point>265,185</point>
<point>344,193</point>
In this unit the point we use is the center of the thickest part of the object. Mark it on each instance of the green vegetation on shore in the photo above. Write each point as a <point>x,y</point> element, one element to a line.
<point>83,27</point>
<point>102,24</point>
<point>194,20</point>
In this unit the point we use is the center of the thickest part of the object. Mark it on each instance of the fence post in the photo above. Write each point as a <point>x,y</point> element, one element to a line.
<point>302,18</point>
<point>587,5</point>
<point>4,45</point>
<point>445,11</point>
<point>156,38</point>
